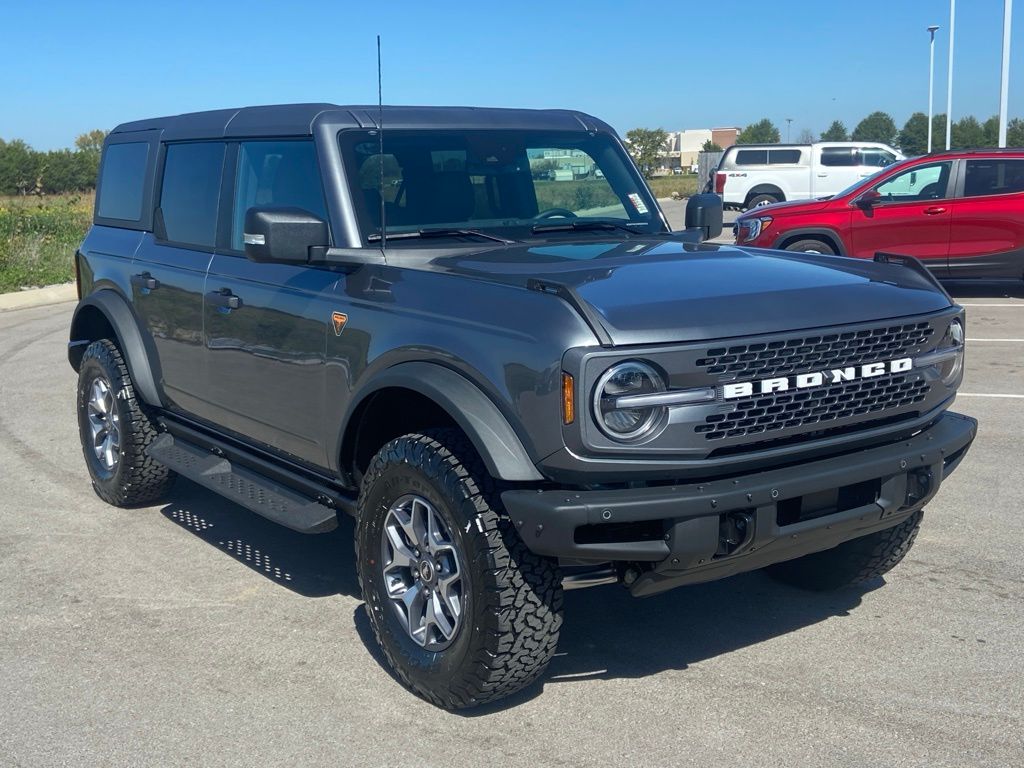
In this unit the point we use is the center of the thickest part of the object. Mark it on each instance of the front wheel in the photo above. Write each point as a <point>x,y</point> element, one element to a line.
<point>461,608</point>
<point>811,246</point>
<point>852,562</point>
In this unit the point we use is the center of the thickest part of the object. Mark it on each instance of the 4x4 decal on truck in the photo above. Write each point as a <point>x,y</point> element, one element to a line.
<point>816,379</point>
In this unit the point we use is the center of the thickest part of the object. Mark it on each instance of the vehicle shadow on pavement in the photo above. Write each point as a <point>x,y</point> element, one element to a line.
<point>607,633</point>
<point>312,565</point>
<point>610,634</point>
<point>985,289</point>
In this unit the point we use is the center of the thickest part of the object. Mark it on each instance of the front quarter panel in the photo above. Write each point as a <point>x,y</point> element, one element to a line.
<point>507,341</point>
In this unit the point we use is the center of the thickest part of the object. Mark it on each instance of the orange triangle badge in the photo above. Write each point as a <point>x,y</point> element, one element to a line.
<point>339,319</point>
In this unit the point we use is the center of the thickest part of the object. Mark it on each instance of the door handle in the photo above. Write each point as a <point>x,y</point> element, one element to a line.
<point>145,281</point>
<point>223,299</point>
<point>934,210</point>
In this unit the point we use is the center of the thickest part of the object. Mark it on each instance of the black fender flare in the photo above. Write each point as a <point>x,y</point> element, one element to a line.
<point>818,232</point>
<point>487,428</point>
<point>136,346</point>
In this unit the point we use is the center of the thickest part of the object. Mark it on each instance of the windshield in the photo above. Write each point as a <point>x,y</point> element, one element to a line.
<point>509,184</point>
<point>863,181</point>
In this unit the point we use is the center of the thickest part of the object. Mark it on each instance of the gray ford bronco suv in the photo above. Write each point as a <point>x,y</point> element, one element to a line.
<point>473,331</point>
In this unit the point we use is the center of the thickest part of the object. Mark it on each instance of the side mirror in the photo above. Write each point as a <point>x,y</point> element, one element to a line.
<point>283,235</point>
<point>868,199</point>
<point>704,212</point>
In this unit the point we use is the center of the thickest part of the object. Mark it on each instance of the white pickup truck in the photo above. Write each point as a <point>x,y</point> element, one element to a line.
<point>749,175</point>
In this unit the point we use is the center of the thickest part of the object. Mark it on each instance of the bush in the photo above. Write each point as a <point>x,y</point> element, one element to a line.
<point>38,238</point>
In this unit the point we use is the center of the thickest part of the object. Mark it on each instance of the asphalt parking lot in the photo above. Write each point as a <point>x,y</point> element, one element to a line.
<point>194,633</point>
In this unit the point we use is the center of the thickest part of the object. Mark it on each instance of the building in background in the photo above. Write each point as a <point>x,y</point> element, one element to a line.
<point>682,147</point>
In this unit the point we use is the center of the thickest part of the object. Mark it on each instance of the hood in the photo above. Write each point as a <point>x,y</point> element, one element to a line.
<point>652,291</point>
<point>793,206</point>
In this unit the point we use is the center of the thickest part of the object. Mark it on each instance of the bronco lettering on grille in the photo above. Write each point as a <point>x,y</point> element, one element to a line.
<point>816,379</point>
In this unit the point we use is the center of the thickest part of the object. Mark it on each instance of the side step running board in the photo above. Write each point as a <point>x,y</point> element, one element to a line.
<point>243,486</point>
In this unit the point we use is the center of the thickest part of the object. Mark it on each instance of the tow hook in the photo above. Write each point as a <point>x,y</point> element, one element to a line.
<point>735,533</point>
<point>919,485</point>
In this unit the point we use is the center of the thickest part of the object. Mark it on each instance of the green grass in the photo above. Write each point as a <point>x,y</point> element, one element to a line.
<point>664,186</point>
<point>38,238</point>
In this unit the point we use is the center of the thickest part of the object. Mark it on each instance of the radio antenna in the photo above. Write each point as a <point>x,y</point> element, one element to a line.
<point>380,155</point>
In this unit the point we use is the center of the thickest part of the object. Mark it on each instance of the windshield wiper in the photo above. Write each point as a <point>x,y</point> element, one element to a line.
<point>441,232</point>
<point>580,226</point>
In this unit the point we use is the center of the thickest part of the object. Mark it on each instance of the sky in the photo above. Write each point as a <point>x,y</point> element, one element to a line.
<point>71,67</point>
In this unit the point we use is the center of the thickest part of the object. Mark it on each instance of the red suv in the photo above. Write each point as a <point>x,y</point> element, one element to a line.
<point>961,213</point>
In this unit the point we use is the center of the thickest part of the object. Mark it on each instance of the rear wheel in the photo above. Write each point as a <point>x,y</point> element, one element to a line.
<point>115,429</point>
<point>811,246</point>
<point>463,611</point>
<point>759,200</point>
<point>852,562</point>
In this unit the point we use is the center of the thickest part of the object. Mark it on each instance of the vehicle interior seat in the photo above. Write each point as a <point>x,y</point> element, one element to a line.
<point>454,197</point>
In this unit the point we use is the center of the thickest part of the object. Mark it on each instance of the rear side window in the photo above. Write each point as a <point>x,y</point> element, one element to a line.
<point>840,157</point>
<point>120,188</point>
<point>751,157</point>
<point>784,157</point>
<point>874,157</point>
<point>993,176</point>
<point>190,192</point>
<point>277,173</point>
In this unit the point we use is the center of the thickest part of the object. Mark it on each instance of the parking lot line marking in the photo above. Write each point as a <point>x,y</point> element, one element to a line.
<point>1011,340</point>
<point>1019,306</point>
<point>985,394</point>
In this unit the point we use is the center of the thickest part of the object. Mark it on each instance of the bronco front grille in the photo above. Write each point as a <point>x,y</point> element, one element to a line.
<point>783,410</point>
<point>815,353</point>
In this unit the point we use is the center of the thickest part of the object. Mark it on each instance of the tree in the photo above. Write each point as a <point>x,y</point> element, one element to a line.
<point>938,132</point>
<point>968,133</point>
<point>806,137</point>
<point>19,168</point>
<point>913,139</point>
<point>710,146</point>
<point>991,130</point>
<point>645,146</point>
<point>91,141</point>
<point>761,132</point>
<point>1015,133</point>
<point>878,126</point>
<point>835,132</point>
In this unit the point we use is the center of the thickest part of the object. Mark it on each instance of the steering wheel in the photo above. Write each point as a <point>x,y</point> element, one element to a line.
<point>561,213</point>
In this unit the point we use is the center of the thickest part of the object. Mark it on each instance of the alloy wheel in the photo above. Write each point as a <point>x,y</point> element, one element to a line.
<point>422,572</point>
<point>104,424</point>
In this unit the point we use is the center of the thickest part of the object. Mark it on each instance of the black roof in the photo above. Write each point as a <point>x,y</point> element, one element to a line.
<point>300,119</point>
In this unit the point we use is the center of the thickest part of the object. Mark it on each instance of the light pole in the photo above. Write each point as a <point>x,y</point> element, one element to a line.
<point>1004,82</point>
<point>931,81</point>
<point>949,75</point>
<point>789,120</point>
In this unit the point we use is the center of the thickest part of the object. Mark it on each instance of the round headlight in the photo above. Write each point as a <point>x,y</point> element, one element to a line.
<point>953,339</point>
<point>619,401</point>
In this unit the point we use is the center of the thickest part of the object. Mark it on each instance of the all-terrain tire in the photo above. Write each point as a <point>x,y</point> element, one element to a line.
<point>513,599</point>
<point>811,246</point>
<point>135,479</point>
<point>852,562</point>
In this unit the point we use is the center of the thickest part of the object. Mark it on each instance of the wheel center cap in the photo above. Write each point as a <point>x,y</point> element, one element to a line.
<point>426,569</point>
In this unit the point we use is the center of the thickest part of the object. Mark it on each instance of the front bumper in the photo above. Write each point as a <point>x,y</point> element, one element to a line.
<point>688,530</point>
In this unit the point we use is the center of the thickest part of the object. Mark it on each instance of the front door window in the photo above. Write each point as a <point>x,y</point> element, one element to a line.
<point>917,184</point>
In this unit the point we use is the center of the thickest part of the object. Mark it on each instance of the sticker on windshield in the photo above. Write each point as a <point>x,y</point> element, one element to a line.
<point>638,203</point>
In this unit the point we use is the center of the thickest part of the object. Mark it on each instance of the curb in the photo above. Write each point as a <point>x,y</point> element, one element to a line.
<point>38,297</point>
